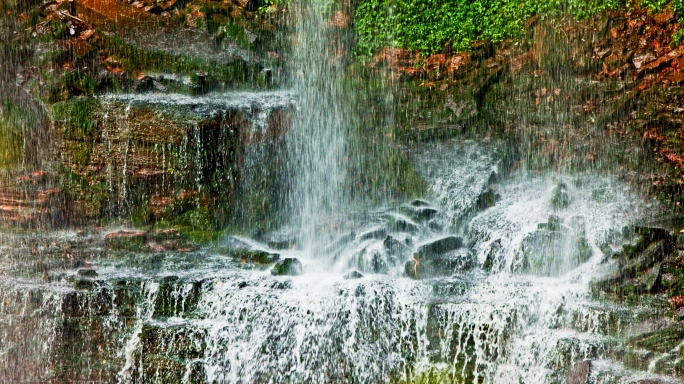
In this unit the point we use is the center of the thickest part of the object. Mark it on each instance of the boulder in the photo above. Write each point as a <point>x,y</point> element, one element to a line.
<point>487,199</point>
<point>288,267</point>
<point>87,273</point>
<point>414,269</point>
<point>439,246</point>
<point>352,275</point>
<point>439,265</point>
<point>419,213</point>
<point>420,203</point>
<point>376,233</point>
<point>553,249</point>
<point>396,248</point>
<point>372,260</point>
<point>254,255</point>
<point>399,223</point>
<point>560,196</point>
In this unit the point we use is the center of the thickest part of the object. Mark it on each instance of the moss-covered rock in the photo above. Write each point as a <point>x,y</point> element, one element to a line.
<point>288,267</point>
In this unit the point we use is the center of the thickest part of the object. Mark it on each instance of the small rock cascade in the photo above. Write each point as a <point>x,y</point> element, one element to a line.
<point>412,293</point>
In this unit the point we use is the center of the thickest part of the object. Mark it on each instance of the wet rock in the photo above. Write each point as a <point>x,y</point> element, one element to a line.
<point>168,239</point>
<point>435,225</point>
<point>282,244</point>
<point>439,265</point>
<point>493,256</point>
<point>253,255</point>
<point>287,284</point>
<point>377,233</point>
<point>579,373</point>
<point>450,288</point>
<point>651,278</point>
<point>553,249</point>
<point>176,297</point>
<point>439,246</point>
<point>396,248</point>
<point>340,242</point>
<point>87,273</point>
<point>654,253</point>
<point>487,199</point>
<point>560,196</point>
<point>144,84</point>
<point>371,260</point>
<point>553,224</point>
<point>245,251</point>
<point>414,269</point>
<point>640,60</point>
<point>353,275</point>
<point>288,267</point>
<point>660,341</point>
<point>420,203</point>
<point>651,234</point>
<point>127,240</point>
<point>419,213</point>
<point>401,223</point>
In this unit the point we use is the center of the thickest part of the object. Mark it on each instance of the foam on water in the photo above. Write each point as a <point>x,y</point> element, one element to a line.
<point>503,327</point>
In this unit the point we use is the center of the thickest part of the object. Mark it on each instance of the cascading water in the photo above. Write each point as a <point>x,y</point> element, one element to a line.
<point>487,280</point>
<point>317,142</point>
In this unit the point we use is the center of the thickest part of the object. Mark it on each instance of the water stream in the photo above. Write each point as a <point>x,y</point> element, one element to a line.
<point>487,279</point>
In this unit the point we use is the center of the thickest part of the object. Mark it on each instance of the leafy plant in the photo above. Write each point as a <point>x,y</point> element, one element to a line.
<point>433,26</point>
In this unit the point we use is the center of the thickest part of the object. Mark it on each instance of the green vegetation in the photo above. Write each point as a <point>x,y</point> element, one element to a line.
<point>433,26</point>
<point>76,118</point>
<point>13,119</point>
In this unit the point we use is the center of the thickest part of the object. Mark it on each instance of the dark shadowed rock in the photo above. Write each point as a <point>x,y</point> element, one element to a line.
<point>401,223</point>
<point>288,267</point>
<point>254,255</point>
<point>439,246</point>
<point>87,272</point>
<point>487,199</point>
<point>654,253</point>
<point>560,196</point>
<point>396,248</point>
<point>420,203</point>
<point>439,265</point>
<point>419,213</point>
<point>377,233</point>
<point>414,269</point>
<point>353,275</point>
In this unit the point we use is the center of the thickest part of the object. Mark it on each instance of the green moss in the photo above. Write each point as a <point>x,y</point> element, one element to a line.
<point>199,219</point>
<point>13,119</point>
<point>75,118</point>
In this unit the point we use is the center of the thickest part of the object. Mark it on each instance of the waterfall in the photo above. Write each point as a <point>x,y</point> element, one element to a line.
<point>317,143</point>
